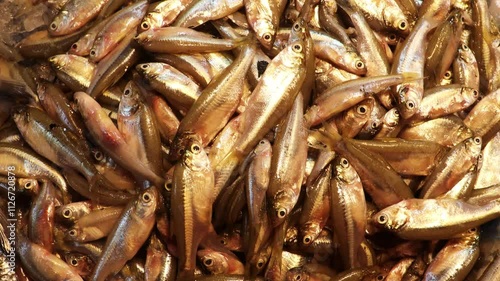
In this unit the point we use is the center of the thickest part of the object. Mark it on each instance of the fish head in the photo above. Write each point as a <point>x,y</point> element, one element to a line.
<point>259,262</point>
<point>74,234</point>
<point>130,100</point>
<point>182,143</point>
<point>409,101</point>
<point>145,205</point>
<point>391,218</point>
<point>309,232</point>
<point>61,23</point>
<point>395,18</point>
<point>265,31</point>
<point>470,95</point>
<point>80,263</point>
<point>283,202</point>
<point>213,262</point>
<point>345,172</point>
<point>151,21</point>
<point>297,274</point>
<point>473,145</point>
<point>21,116</point>
<point>354,63</point>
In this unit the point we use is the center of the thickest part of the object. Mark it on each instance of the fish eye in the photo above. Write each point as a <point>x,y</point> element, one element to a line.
<point>382,219</point>
<point>410,105</point>
<point>28,185</point>
<point>307,240</point>
<point>72,232</point>
<point>297,48</point>
<point>403,25</point>
<point>92,53</point>
<point>380,277</point>
<point>168,186</point>
<point>74,46</point>
<point>208,262</point>
<point>477,140</point>
<point>267,37</point>
<point>475,93</point>
<point>146,197</point>
<point>296,27</point>
<point>360,64</point>
<point>375,125</point>
<point>262,142</point>
<point>392,37</point>
<point>344,162</point>
<point>223,241</point>
<point>181,151</point>
<point>126,92</point>
<point>396,113</point>
<point>447,74</point>
<point>195,148</point>
<point>144,66</point>
<point>465,47</point>
<point>67,213</point>
<point>74,262</point>
<point>281,213</point>
<point>298,277</point>
<point>53,26</point>
<point>145,25</point>
<point>260,264</point>
<point>98,156</point>
<point>361,109</point>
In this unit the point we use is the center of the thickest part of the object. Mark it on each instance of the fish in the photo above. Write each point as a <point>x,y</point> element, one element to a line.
<point>456,216</point>
<point>74,15</point>
<point>139,215</point>
<point>192,198</point>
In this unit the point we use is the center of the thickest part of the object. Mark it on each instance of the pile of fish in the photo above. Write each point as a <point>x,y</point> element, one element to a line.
<point>249,140</point>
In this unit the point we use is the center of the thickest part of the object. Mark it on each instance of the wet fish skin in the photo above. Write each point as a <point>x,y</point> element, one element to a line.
<point>41,264</point>
<point>456,259</point>
<point>217,102</point>
<point>116,28</point>
<point>160,264</point>
<point>287,164</point>
<point>256,185</point>
<point>139,216</point>
<point>57,105</point>
<point>29,164</point>
<point>199,12</point>
<point>138,126</point>
<point>179,89</point>
<point>175,40</point>
<point>74,15</point>
<point>41,218</point>
<point>192,211</point>
<point>316,209</point>
<point>163,14</point>
<point>448,131</point>
<point>95,225</point>
<point>451,168</point>
<point>104,132</point>
<point>265,110</point>
<point>217,262</point>
<point>109,70</point>
<point>55,142</point>
<point>348,211</point>
<point>415,218</point>
<point>84,44</point>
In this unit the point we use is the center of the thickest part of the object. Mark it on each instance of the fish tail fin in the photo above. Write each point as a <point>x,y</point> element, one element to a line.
<point>411,77</point>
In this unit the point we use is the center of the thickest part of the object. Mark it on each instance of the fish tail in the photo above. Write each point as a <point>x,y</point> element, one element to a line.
<point>411,76</point>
